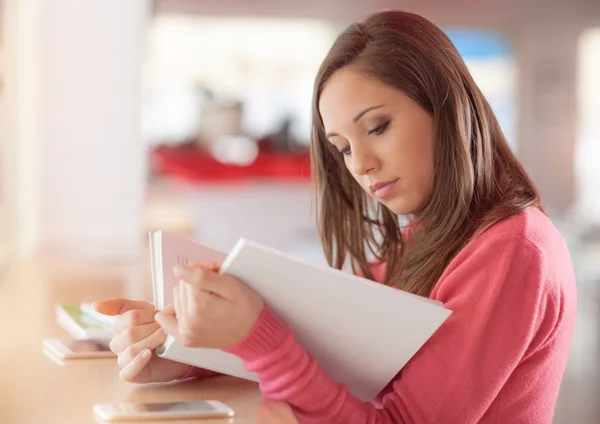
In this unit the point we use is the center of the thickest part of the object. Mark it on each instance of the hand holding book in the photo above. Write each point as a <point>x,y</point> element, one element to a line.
<point>210,310</point>
<point>313,302</point>
<point>136,335</point>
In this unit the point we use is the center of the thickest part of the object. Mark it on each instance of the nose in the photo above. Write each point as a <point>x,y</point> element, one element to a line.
<point>363,161</point>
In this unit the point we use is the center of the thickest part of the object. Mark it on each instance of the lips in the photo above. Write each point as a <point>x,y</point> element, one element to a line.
<point>381,190</point>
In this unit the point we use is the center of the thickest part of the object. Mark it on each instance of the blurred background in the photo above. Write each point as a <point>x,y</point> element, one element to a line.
<point>193,116</point>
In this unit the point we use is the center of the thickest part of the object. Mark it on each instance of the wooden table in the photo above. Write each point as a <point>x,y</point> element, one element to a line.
<point>36,390</point>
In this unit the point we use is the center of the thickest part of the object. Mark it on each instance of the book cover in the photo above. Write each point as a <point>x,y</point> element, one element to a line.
<point>361,332</point>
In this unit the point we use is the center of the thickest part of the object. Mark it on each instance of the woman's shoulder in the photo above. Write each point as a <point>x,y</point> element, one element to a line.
<point>529,244</point>
<point>521,262</point>
<point>529,231</point>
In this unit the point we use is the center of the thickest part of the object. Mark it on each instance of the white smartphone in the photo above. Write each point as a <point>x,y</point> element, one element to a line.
<point>162,411</point>
<point>78,348</point>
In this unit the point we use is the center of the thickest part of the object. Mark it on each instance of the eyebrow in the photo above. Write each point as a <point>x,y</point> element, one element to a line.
<point>357,117</point>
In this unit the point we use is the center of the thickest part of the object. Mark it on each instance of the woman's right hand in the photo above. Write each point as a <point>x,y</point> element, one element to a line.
<point>136,335</point>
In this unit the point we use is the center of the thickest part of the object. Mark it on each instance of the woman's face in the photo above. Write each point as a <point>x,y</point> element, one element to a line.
<point>385,138</point>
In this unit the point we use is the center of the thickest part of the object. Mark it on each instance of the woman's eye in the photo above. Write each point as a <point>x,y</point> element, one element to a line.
<point>380,129</point>
<point>346,151</point>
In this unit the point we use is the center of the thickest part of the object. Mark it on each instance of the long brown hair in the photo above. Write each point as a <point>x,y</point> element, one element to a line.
<point>478,180</point>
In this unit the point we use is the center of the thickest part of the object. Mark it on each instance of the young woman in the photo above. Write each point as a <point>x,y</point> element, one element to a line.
<point>400,128</point>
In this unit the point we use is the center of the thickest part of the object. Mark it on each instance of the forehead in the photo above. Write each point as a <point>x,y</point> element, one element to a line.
<point>347,92</point>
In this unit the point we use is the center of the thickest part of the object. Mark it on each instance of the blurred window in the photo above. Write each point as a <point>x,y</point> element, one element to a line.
<point>269,65</point>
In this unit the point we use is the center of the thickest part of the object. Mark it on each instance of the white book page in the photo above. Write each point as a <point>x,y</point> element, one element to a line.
<point>176,250</point>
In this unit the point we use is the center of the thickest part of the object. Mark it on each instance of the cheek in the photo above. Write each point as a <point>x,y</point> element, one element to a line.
<point>414,162</point>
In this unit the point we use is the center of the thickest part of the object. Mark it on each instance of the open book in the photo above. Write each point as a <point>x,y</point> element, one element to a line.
<point>361,332</point>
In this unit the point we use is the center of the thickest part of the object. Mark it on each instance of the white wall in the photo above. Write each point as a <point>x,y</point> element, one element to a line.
<point>277,214</point>
<point>588,146</point>
<point>78,145</point>
<point>20,123</point>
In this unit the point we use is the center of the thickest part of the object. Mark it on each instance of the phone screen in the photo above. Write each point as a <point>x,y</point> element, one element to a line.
<point>163,410</point>
<point>167,407</point>
<point>86,345</point>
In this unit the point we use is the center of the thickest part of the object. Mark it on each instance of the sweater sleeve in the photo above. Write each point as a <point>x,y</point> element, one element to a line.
<point>495,291</point>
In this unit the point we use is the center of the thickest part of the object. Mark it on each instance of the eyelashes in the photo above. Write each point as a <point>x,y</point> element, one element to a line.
<point>380,129</point>
<point>375,131</point>
<point>346,151</point>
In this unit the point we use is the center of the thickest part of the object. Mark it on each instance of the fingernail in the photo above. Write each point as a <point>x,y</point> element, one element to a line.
<point>146,354</point>
<point>181,271</point>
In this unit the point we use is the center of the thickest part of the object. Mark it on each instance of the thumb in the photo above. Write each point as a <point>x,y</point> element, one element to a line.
<point>168,322</point>
<point>118,306</point>
<point>168,310</point>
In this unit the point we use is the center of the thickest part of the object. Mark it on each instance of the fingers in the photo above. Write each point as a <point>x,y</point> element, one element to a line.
<point>118,306</point>
<point>135,366</point>
<point>151,342</point>
<point>213,266</point>
<point>201,300</point>
<point>205,279</point>
<point>168,323</point>
<point>183,299</point>
<point>134,318</point>
<point>133,335</point>
<point>189,301</point>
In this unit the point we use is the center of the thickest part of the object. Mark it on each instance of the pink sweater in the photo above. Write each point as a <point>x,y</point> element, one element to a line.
<point>499,358</point>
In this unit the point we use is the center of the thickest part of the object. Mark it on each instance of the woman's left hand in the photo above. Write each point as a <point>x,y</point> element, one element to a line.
<point>210,310</point>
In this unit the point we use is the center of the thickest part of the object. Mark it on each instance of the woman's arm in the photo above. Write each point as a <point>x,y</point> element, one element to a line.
<point>495,294</point>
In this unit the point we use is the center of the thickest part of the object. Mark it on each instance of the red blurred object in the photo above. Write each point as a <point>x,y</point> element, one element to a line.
<point>188,163</point>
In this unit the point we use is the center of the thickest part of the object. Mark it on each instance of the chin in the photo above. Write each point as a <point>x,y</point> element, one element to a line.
<point>398,206</point>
